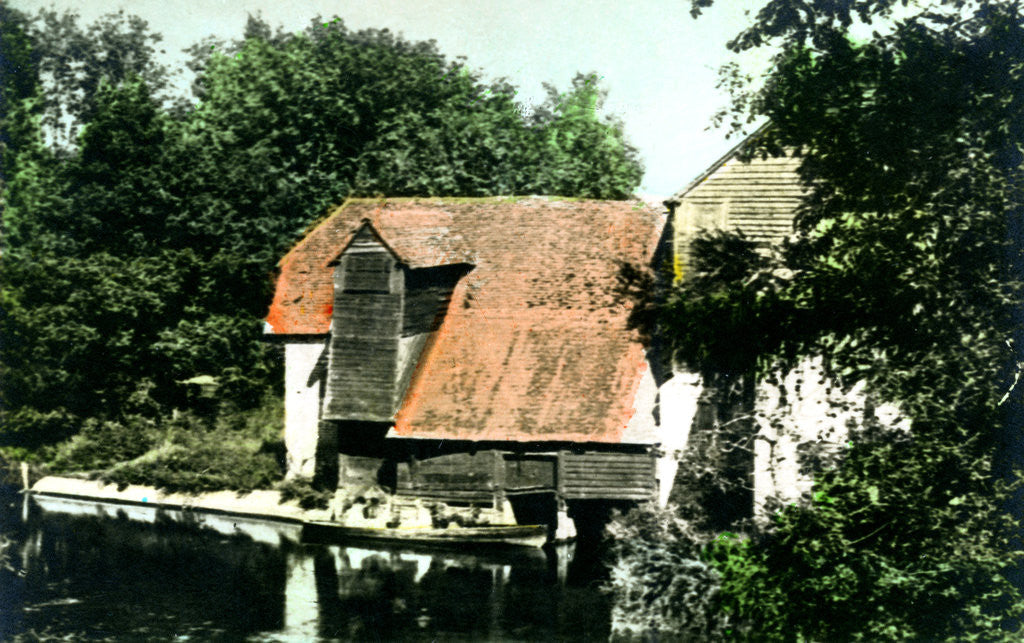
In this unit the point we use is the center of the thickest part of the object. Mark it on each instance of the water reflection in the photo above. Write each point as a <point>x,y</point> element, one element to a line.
<point>95,577</point>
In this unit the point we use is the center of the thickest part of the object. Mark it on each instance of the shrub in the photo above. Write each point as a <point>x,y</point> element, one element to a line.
<point>101,444</point>
<point>902,542</point>
<point>661,586</point>
<point>302,491</point>
<point>201,462</point>
<point>240,450</point>
<point>265,421</point>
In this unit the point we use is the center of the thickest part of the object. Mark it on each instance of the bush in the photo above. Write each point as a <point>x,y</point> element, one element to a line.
<point>302,490</point>
<point>661,586</point>
<point>901,542</point>
<point>101,444</point>
<point>199,463</point>
<point>239,450</point>
<point>264,421</point>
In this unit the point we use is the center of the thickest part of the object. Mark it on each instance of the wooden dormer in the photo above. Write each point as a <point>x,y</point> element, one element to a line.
<point>366,323</point>
<point>382,315</point>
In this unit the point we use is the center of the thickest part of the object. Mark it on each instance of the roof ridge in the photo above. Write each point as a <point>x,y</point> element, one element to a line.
<point>676,198</point>
<point>495,198</point>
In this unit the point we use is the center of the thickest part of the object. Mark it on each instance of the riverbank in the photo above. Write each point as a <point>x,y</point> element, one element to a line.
<point>401,522</point>
<point>258,504</point>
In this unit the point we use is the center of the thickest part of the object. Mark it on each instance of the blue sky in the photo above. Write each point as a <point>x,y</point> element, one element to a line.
<point>659,65</point>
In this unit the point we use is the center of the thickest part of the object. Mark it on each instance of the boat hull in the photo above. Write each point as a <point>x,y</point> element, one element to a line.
<point>460,537</point>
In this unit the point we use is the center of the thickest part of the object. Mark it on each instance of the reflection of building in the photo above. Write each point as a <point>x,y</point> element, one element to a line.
<point>353,593</point>
<point>80,573</point>
<point>468,353</point>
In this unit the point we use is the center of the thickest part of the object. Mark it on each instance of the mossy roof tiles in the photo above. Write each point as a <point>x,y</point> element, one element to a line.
<point>534,346</point>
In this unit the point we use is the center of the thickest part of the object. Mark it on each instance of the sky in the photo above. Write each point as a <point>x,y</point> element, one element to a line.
<point>658,64</point>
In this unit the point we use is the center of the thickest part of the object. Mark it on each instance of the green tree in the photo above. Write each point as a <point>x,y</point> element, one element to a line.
<point>117,179</point>
<point>292,124</point>
<point>98,304</point>
<point>583,152</point>
<point>140,234</point>
<point>86,285</point>
<point>905,274</point>
<point>71,63</point>
<point>19,80</point>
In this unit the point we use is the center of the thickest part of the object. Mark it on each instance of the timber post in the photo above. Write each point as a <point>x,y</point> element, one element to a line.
<point>498,480</point>
<point>565,527</point>
<point>325,475</point>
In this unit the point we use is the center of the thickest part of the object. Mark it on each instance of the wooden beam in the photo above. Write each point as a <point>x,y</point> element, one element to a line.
<point>560,472</point>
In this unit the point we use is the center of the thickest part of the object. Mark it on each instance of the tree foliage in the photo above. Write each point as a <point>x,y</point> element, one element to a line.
<point>140,231</point>
<point>18,81</point>
<point>902,541</point>
<point>905,274</point>
<point>71,63</point>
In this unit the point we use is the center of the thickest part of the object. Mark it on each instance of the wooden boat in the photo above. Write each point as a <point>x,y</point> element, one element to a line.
<point>461,537</point>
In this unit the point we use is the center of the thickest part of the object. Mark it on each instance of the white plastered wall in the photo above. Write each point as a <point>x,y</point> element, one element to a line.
<point>678,399</point>
<point>301,406</point>
<point>803,407</point>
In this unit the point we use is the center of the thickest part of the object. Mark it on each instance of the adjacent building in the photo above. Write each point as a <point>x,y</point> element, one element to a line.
<point>802,415</point>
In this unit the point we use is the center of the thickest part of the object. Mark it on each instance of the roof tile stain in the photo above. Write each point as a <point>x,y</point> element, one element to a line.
<point>534,345</point>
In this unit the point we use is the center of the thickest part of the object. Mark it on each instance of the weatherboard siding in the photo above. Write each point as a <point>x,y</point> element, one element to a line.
<point>758,198</point>
<point>365,327</point>
<point>529,474</point>
<point>458,477</point>
<point>607,476</point>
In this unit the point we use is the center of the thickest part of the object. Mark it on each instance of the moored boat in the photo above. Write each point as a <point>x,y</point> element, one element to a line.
<point>484,536</point>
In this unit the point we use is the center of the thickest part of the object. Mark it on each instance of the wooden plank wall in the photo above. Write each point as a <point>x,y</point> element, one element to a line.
<point>483,476</point>
<point>365,326</point>
<point>606,476</point>
<point>759,198</point>
<point>460,477</point>
<point>428,292</point>
<point>367,272</point>
<point>529,474</point>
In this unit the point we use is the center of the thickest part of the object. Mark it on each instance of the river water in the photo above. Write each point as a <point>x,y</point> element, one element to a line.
<point>71,574</point>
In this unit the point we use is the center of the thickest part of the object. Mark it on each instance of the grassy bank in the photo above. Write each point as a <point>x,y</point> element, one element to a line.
<point>236,450</point>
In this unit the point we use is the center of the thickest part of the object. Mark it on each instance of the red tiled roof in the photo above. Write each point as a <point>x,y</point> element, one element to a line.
<point>534,346</point>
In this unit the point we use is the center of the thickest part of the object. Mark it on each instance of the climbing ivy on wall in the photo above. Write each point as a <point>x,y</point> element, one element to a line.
<point>905,275</point>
